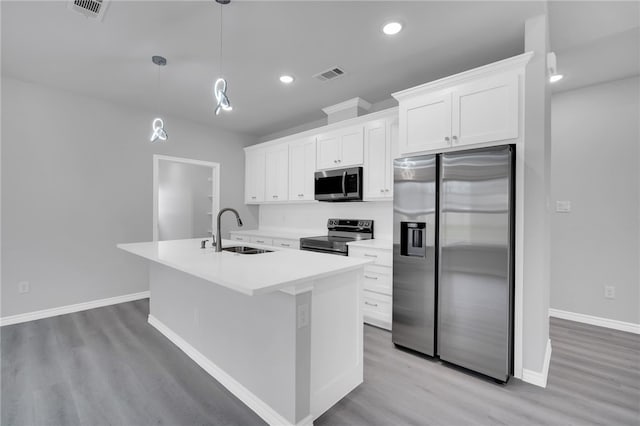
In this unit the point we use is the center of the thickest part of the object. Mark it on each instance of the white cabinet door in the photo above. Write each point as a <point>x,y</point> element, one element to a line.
<point>485,110</point>
<point>277,173</point>
<point>254,176</point>
<point>340,148</point>
<point>425,123</point>
<point>302,166</point>
<point>394,130</point>
<point>377,160</point>
<point>328,151</point>
<point>352,147</point>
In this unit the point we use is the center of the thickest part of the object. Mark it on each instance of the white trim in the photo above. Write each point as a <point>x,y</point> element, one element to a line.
<point>261,408</point>
<point>62,310</point>
<point>539,378</point>
<point>215,184</point>
<point>629,327</point>
<point>351,103</point>
<point>489,69</point>
<point>312,133</point>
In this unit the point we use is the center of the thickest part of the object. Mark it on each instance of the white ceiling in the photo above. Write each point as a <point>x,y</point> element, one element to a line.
<point>46,43</point>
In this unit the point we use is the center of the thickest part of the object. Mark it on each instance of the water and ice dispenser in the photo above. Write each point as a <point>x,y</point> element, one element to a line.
<point>413,239</point>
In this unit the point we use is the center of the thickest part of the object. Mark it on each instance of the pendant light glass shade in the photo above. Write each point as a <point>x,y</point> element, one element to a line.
<point>220,92</point>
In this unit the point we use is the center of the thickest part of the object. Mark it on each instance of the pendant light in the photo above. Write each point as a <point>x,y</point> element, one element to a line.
<point>157,126</point>
<point>220,86</point>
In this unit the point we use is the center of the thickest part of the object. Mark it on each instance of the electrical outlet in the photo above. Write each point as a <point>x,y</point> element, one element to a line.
<point>303,315</point>
<point>563,206</point>
<point>609,292</point>
<point>23,287</point>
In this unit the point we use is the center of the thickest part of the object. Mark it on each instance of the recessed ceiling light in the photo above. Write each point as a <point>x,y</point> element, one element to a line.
<point>286,79</point>
<point>392,28</point>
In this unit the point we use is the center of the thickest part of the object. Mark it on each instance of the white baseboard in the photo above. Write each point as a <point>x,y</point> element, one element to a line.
<point>539,378</point>
<point>62,310</point>
<point>260,407</point>
<point>601,322</point>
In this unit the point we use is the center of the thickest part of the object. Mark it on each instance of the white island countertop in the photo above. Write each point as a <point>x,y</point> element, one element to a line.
<point>251,274</point>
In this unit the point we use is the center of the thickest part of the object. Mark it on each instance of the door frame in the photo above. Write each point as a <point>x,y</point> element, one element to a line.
<point>215,186</point>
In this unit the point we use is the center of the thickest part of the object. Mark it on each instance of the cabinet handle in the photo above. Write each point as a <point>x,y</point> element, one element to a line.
<point>369,277</point>
<point>386,190</point>
<point>339,161</point>
<point>370,255</point>
<point>275,196</point>
<point>253,198</point>
<point>285,245</point>
<point>382,190</point>
<point>455,139</point>
<point>371,304</point>
<point>260,241</point>
<point>446,139</point>
<point>300,195</point>
<point>335,161</point>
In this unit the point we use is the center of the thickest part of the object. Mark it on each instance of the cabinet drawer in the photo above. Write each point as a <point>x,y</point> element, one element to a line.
<point>376,309</point>
<point>379,256</point>
<point>378,279</point>
<point>244,238</point>
<point>262,240</point>
<point>284,243</point>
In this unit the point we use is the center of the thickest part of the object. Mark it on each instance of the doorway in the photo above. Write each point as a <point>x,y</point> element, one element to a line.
<point>186,197</point>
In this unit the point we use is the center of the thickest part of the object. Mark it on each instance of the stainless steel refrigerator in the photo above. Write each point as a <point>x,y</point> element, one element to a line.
<point>453,258</point>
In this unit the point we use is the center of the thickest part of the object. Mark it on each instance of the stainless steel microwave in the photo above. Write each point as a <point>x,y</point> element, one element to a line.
<point>339,185</point>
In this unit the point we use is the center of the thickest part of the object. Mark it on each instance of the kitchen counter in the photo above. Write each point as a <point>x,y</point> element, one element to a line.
<point>282,331</point>
<point>249,274</point>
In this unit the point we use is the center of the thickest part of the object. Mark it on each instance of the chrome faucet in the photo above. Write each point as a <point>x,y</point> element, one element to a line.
<point>219,239</point>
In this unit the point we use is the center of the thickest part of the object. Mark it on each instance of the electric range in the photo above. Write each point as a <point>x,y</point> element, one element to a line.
<point>340,232</point>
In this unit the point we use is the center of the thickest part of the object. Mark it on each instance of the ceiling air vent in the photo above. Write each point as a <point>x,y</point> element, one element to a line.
<point>329,74</point>
<point>89,8</point>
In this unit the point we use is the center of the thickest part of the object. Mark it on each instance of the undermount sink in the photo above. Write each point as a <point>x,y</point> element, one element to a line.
<point>245,250</point>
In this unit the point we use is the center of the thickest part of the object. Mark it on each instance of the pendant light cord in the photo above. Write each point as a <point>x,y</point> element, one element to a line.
<point>220,33</point>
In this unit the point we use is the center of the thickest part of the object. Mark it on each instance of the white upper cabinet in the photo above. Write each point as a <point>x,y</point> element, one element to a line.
<point>485,110</point>
<point>340,148</point>
<point>428,122</point>
<point>480,106</point>
<point>277,173</point>
<point>302,166</point>
<point>380,140</point>
<point>254,176</point>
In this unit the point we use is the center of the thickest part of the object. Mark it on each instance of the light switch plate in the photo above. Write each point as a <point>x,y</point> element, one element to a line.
<point>563,206</point>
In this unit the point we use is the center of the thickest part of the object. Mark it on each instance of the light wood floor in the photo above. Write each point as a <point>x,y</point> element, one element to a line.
<point>107,366</point>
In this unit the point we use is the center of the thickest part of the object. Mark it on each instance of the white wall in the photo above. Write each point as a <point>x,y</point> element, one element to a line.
<point>313,217</point>
<point>595,162</point>
<point>76,180</point>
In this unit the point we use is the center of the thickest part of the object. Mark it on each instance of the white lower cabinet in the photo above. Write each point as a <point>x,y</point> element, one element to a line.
<point>262,240</point>
<point>288,243</point>
<point>378,285</point>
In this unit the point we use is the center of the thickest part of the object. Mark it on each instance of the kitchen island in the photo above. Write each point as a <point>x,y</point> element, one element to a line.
<point>280,330</point>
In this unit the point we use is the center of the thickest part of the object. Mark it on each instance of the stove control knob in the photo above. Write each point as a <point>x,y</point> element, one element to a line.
<point>360,223</point>
<point>366,224</point>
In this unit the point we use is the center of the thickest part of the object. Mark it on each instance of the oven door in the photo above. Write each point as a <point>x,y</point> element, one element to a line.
<point>339,185</point>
